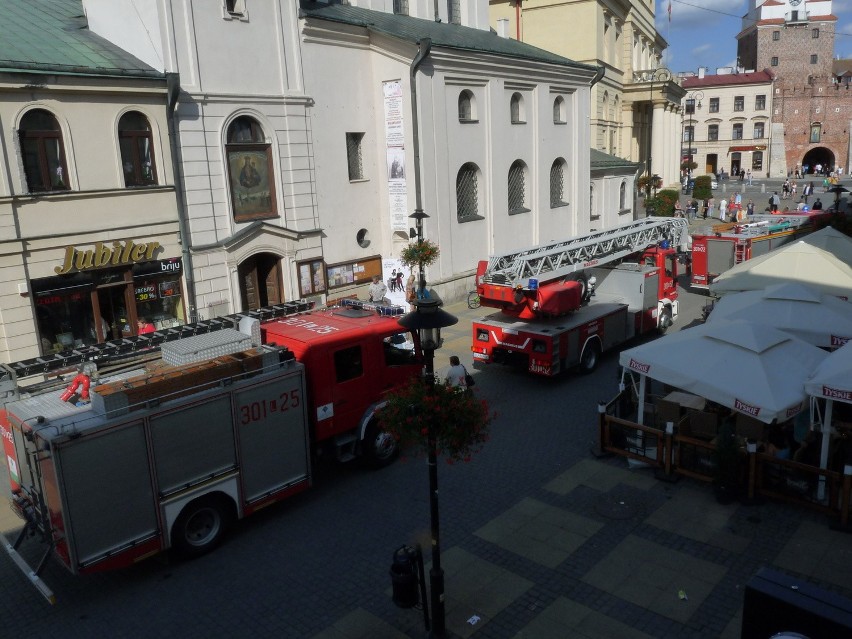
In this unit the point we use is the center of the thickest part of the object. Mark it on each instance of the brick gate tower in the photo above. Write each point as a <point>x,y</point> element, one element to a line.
<point>812,103</point>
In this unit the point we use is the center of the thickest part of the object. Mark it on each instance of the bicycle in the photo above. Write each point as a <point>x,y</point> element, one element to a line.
<point>473,300</point>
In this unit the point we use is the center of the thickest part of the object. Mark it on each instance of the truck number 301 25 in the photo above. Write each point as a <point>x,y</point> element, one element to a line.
<point>261,409</point>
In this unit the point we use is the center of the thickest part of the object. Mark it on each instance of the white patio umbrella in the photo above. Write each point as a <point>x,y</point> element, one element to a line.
<point>795,262</point>
<point>831,380</point>
<point>799,309</point>
<point>756,370</point>
<point>833,241</point>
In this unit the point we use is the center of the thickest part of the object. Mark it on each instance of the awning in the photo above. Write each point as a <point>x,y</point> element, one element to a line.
<point>754,147</point>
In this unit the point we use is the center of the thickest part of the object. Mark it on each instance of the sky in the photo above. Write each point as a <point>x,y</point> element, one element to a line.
<point>702,33</point>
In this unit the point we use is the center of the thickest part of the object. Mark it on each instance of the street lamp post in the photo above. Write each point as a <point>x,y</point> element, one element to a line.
<point>690,111</point>
<point>428,319</point>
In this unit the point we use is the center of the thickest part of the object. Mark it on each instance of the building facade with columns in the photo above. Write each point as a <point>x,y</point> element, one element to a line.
<point>635,109</point>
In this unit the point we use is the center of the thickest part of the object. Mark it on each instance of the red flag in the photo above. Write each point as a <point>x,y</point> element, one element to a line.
<point>670,10</point>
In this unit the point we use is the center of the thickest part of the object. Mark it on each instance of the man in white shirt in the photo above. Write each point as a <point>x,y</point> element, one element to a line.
<point>377,290</point>
<point>456,374</point>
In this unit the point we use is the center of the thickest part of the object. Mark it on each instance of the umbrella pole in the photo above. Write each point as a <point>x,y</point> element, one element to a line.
<point>640,410</point>
<point>826,436</point>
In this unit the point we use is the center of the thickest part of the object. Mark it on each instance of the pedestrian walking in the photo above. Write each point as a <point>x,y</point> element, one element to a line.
<point>774,202</point>
<point>750,208</point>
<point>723,209</point>
<point>748,177</point>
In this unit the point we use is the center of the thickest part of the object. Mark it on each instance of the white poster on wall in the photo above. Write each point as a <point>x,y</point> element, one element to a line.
<point>395,276</point>
<point>395,143</point>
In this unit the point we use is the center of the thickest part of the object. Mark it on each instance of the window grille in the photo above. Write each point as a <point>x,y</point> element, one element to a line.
<point>737,133</point>
<point>454,9</point>
<point>400,6</point>
<point>43,152</point>
<point>353,155</point>
<point>467,193</point>
<point>557,184</point>
<point>759,102</point>
<point>739,103</point>
<point>517,188</point>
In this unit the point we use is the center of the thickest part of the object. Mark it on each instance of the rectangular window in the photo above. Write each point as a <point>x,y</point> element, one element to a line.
<point>739,103</point>
<point>353,155</point>
<point>757,161</point>
<point>813,58</point>
<point>714,105</point>
<point>776,35</point>
<point>236,8</point>
<point>454,9</point>
<point>759,102</point>
<point>688,133</point>
<point>815,33</point>
<point>713,132</point>
<point>348,364</point>
<point>737,132</point>
<point>758,130</point>
<point>400,6</point>
<point>774,61</point>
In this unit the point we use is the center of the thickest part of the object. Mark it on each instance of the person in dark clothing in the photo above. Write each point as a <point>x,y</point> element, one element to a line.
<point>817,205</point>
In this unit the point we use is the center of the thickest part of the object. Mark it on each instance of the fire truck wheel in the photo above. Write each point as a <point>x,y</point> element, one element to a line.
<point>200,526</point>
<point>582,280</point>
<point>379,446</point>
<point>591,356</point>
<point>665,320</point>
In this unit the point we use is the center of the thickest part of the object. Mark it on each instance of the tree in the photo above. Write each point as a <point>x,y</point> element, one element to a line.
<point>702,190</point>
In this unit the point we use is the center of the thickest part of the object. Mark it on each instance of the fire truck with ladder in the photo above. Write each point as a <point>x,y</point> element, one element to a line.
<point>720,247</point>
<point>564,303</point>
<point>162,440</point>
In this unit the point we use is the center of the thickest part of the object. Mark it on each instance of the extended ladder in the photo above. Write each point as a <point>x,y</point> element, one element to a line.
<point>127,347</point>
<point>559,259</point>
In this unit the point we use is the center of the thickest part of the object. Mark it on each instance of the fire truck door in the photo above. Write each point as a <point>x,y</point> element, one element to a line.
<point>352,386</point>
<point>273,436</point>
<point>720,257</point>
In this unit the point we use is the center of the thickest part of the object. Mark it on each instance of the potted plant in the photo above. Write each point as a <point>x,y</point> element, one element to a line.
<point>421,252</point>
<point>726,463</point>
<point>458,418</point>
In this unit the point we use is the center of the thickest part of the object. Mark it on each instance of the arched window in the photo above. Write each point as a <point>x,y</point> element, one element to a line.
<point>622,196</point>
<point>592,214</point>
<point>518,188</point>
<point>559,110</point>
<point>43,152</point>
<point>250,171</point>
<point>557,184</point>
<point>467,193</point>
<point>516,107</point>
<point>467,106</point>
<point>137,155</point>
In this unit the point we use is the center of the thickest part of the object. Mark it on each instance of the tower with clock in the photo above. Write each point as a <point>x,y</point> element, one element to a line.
<point>811,103</point>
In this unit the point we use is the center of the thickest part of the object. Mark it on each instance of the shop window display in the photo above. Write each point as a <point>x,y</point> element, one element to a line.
<point>87,308</point>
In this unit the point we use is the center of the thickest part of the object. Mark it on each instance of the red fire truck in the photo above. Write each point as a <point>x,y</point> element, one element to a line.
<point>193,432</point>
<point>563,304</point>
<point>722,246</point>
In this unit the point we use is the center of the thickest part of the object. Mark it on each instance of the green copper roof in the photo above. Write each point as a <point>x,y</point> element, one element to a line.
<point>52,36</point>
<point>452,36</point>
<point>601,160</point>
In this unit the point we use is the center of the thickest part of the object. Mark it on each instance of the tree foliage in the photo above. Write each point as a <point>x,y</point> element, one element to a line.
<point>702,190</point>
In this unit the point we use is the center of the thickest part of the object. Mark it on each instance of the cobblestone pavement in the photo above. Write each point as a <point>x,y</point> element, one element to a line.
<point>540,539</point>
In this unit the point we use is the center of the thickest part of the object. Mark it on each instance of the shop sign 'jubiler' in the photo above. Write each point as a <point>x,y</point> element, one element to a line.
<point>119,254</point>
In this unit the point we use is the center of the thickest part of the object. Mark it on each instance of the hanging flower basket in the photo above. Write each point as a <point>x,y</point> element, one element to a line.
<point>422,252</point>
<point>460,420</point>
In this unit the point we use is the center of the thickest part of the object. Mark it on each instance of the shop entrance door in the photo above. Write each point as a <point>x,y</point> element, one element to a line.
<point>111,306</point>
<point>260,281</point>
